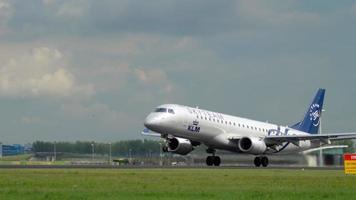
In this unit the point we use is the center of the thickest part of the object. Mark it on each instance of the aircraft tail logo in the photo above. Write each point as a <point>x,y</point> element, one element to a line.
<point>311,120</point>
<point>314,114</point>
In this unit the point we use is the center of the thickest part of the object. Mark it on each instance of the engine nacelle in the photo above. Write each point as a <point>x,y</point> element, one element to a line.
<point>179,146</point>
<point>252,145</point>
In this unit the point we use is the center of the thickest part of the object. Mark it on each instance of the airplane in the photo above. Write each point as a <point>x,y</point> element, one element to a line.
<point>183,128</point>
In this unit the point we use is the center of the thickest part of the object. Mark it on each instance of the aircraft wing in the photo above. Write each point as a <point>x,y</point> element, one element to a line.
<point>325,147</point>
<point>147,132</point>
<point>277,139</point>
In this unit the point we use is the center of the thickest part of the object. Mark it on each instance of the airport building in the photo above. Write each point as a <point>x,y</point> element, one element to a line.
<point>10,150</point>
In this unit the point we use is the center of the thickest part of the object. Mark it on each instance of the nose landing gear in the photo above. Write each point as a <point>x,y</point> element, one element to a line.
<point>261,160</point>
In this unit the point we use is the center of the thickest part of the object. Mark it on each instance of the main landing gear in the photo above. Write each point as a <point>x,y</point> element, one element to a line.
<point>261,160</point>
<point>212,160</point>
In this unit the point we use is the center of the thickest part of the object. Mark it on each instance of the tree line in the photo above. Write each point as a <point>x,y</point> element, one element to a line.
<point>120,148</point>
<point>124,148</point>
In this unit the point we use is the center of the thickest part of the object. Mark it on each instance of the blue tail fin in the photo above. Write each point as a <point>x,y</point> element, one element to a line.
<point>311,120</point>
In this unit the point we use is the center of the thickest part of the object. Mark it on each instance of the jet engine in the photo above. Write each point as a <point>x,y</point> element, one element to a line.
<point>179,145</point>
<point>252,145</point>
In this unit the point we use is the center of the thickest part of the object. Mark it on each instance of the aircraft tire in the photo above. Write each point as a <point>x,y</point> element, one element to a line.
<point>257,161</point>
<point>217,160</point>
<point>264,161</point>
<point>210,160</point>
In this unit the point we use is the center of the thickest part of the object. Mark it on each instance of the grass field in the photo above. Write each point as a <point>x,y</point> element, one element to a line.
<point>175,184</point>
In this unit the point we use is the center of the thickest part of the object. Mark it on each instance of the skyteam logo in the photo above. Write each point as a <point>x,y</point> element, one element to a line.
<point>314,114</point>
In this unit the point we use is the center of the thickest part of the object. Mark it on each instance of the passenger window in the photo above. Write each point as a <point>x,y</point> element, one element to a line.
<point>171,111</point>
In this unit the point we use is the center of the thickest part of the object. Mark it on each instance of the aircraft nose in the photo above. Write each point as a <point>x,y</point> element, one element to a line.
<point>151,122</point>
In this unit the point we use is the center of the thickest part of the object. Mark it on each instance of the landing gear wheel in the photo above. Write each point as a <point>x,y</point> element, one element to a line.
<point>257,161</point>
<point>165,149</point>
<point>210,160</point>
<point>217,160</point>
<point>213,160</point>
<point>264,161</point>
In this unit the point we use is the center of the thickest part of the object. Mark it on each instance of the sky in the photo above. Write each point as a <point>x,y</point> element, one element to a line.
<point>92,70</point>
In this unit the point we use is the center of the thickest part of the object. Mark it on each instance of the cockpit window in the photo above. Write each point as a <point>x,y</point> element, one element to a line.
<point>164,110</point>
<point>161,110</point>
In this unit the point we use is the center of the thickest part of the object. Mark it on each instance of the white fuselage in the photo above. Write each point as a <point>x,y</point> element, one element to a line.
<point>219,131</point>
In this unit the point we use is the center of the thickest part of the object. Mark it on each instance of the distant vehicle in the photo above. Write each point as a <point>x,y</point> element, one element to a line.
<point>184,128</point>
<point>121,161</point>
<point>178,164</point>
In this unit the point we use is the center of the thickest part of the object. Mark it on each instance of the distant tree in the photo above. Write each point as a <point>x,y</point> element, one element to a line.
<point>119,148</point>
<point>349,143</point>
<point>40,146</point>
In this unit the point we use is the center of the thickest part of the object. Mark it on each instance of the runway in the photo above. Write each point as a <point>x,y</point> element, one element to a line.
<point>163,167</point>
